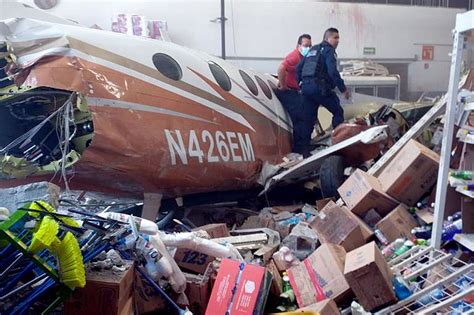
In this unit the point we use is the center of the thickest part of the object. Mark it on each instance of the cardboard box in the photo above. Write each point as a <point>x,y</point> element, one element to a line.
<point>362,191</point>
<point>192,260</point>
<point>195,261</point>
<point>197,291</point>
<point>369,277</point>
<point>305,291</point>
<point>467,212</point>
<point>214,230</point>
<point>367,231</point>
<point>146,299</point>
<point>241,287</point>
<point>277,283</point>
<point>327,266</point>
<point>397,223</point>
<point>320,276</point>
<point>105,293</point>
<point>326,307</point>
<point>334,225</point>
<point>411,173</point>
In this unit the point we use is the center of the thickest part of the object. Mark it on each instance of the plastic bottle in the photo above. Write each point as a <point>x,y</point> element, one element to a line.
<point>423,232</point>
<point>390,249</point>
<point>401,288</point>
<point>381,237</point>
<point>466,175</point>
<point>406,246</point>
<point>451,229</point>
<point>436,294</point>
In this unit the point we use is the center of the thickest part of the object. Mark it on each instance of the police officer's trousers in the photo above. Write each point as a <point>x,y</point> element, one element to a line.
<point>313,97</point>
<point>292,101</point>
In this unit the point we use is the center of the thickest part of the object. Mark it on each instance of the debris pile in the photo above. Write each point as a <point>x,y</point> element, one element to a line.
<point>367,252</point>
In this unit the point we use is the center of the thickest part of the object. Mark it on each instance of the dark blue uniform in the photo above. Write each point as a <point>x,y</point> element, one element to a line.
<point>318,75</point>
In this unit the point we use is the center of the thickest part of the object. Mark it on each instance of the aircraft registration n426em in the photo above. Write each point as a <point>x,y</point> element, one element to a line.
<point>221,146</point>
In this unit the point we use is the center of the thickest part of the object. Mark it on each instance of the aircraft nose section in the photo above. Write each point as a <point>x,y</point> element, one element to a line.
<point>29,40</point>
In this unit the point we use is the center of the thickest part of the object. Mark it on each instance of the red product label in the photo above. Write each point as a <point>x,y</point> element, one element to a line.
<point>247,291</point>
<point>225,295</point>
<point>222,291</point>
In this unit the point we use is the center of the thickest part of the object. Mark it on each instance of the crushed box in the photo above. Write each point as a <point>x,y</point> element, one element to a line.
<point>105,293</point>
<point>369,277</point>
<point>362,192</point>
<point>327,268</point>
<point>197,291</point>
<point>397,223</point>
<point>320,276</point>
<point>411,173</point>
<point>336,226</point>
<point>325,307</point>
<point>241,287</point>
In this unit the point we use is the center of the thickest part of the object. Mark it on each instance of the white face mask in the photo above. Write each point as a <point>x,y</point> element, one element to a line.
<point>304,50</point>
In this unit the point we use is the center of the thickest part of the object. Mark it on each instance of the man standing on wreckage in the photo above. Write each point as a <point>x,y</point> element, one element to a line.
<point>317,75</point>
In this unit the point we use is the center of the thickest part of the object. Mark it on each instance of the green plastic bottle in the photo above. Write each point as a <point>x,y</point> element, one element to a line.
<point>466,175</point>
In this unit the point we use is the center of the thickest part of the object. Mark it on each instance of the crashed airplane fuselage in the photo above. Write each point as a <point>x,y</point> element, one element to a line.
<point>116,113</point>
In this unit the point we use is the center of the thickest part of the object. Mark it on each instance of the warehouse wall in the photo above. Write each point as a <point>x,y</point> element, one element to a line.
<point>260,33</point>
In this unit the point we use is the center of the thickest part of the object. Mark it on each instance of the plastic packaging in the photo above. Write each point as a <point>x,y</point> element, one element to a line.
<point>190,240</point>
<point>406,247</point>
<point>436,294</point>
<point>451,229</point>
<point>381,237</point>
<point>401,288</point>
<point>390,249</point>
<point>466,175</point>
<point>143,225</point>
<point>423,232</point>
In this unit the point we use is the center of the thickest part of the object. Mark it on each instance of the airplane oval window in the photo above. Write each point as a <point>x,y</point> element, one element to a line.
<point>266,90</point>
<point>167,66</point>
<point>220,75</point>
<point>249,82</point>
<point>272,85</point>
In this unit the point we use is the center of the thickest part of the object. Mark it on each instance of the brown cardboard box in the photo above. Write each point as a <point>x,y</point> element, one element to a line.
<point>362,191</point>
<point>367,231</point>
<point>326,307</point>
<point>467,211</point>
<point>198,292</point>
<point>302,285</point>
<point>327,265</point>
<point>192,260</point>
<point>215,230</point>
<point>277,284</point>
<point>320,204</point>
<point>334,225</point>
<point>105,293</point>
<point>397,223</point>
<point>411,173</point>
<point>369,277</point>
<point>146,299</point>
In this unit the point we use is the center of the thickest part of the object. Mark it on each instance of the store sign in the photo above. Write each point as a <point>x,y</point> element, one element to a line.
<point>369,50</point>
<point>427,53</point>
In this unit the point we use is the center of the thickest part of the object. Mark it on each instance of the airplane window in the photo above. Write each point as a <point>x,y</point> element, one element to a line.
<point>266,90</point>
<point>221,77</point>
<point>167,66</point>
<point>272,85</point>
<point>249,82</point>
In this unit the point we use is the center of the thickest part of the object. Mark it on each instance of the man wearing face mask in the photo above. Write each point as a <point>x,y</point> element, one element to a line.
<point>318,75</point>
<point>288,88</point>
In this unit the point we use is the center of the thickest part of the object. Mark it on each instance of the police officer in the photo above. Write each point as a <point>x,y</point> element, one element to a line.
<point>318,76</point>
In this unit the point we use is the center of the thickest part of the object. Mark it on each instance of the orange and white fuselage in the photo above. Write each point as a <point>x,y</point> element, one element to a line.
<point>153,133</point>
